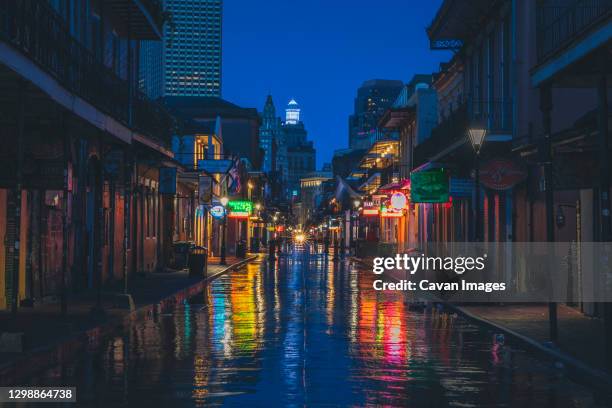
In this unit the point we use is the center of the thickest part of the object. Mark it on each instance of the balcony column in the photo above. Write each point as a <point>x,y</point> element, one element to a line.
<point>604,163</point>
<point>128,189</point>
<point>546,155</point>
<point>604,201</point>
<point>13,238</point>
<point>130,70</point>
<point>67,139</point>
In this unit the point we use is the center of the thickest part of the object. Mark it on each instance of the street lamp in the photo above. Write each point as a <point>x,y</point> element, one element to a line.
<point>352,224</point>
<point>477,135</point>
<point>224,202</point>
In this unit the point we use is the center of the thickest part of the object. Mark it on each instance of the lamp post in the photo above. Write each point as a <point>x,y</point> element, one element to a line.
<point>355,236</point>
<point>477,135</point>
<point>257,231</point>
<point>224,202</point>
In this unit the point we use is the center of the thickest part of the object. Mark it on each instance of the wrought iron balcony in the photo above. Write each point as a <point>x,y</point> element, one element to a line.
<point>38,32</point>
<point>560,23</point>
<point>145,18</point>
<point>448,132</point>
<point>496,115</point>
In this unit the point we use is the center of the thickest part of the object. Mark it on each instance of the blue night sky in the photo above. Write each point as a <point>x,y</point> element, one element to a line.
<point>320,52</point>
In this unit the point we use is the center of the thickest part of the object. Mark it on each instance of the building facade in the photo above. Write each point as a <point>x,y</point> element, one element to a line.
<point>373,98</point>
<point>80,190</point>
<point>312,189</point>
<point>191,52</point>
<point>300,152</point>
<point>269,136</point>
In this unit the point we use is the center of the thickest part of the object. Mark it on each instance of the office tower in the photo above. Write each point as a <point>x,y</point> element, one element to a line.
<point>301,154</point>
<point>191,55</point>
<point>269,136</point>
<point>373,98</point>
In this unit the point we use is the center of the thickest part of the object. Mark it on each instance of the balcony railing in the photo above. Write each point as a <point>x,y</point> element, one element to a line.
<point>191,161</point>
<point>145,18</point>
<point>496,115</point>
<point>38,32</point>
<point>559,24</point>
<point>156,10</point>
<point>442,136</point>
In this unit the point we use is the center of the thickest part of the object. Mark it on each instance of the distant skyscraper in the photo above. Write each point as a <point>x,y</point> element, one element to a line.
<point>190,57</point>
<point>286,147</point>
<point>373,98</point>
<point>292,113</point>
<point>301,154</point>
<point>269,136</point>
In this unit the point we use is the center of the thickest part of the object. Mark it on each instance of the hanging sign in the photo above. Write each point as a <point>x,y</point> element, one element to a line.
<point>217,212</point>
<point>429,186</point>
<point>240,208</point>
<point>398,201</point>
<point>501,174</point>
<point>370,209</point>
<point>167,180</point>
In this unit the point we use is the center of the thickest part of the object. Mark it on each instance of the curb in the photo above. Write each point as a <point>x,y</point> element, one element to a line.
<point>579,370</point>
<point>38,359</point>
<point>594,376</point>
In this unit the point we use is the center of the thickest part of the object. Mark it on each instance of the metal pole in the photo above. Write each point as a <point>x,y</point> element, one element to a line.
<point>477,226</point>
<point>18,187</point>
<point>223,238</point>
<point>67,181</point>
<point>546,107</point>
<point>127,194</point>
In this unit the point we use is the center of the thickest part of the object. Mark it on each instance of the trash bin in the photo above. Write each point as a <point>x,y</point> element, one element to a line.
<point>180,254</point>
<point>198,262</point>
<point>241,249</point>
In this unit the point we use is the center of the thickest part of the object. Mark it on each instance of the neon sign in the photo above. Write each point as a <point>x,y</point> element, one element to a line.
<point>217,212</point>
<point>240,208</point>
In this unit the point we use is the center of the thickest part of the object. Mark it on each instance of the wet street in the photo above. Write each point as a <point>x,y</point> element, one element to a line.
<point>310,332</point>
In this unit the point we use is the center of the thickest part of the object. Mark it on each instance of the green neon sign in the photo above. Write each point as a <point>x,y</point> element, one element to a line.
<point>430,186</point>
<point>240,206</point>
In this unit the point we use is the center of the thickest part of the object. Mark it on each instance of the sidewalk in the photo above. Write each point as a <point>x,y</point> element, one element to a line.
<point>48,336</point>
<point>580,336</point>
<point>580,342</point>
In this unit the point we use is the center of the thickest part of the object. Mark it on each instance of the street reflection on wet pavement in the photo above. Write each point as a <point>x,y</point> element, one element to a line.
<point>307,331</point>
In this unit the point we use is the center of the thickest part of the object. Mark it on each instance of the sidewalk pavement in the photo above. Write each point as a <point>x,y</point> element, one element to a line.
<point>45,330</point>
<point>580,337</point>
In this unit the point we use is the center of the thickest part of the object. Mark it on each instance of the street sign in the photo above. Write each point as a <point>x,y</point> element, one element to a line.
<point>429,186</point>
<point>167,180</point>
<point>205,189</point>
